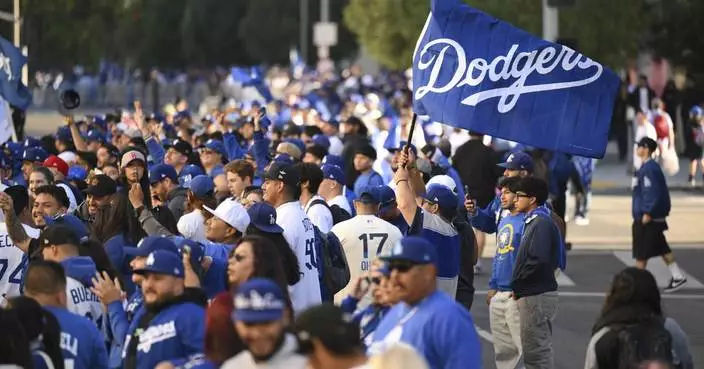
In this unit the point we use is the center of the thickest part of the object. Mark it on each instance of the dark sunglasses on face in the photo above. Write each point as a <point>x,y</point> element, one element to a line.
<point>401,266</point>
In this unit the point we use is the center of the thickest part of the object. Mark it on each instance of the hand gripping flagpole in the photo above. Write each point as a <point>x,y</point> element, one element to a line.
<point>407,148</point>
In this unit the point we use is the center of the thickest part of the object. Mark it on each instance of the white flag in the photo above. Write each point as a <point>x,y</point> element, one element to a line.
<point>6,127</point>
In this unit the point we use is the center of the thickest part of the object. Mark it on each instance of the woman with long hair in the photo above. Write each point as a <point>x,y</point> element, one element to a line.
<point>263,223</point>
<point>256,257</point>
<point>42,331</point>
<point>633,306</point>
<point>14,345</point>
<point>116,226</point>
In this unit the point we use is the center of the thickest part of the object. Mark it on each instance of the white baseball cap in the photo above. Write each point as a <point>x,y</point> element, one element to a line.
<point>443,180</point>
<point>233,213</point>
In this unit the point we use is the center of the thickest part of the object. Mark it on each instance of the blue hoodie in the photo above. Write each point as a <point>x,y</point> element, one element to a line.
<point>80,299</point>
<point>508,239</point>
<point>367,319</point>
<point>120,317</point>
<point>81,343</point>
<point>175,332</point>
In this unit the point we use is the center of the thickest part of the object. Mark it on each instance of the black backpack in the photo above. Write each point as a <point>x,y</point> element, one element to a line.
<point>338,214</point>
<point>644,341</point>
<point>333,271</point>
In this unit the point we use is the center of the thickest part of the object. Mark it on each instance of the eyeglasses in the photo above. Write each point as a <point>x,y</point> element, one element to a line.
<point>521,194</point>
<point>401,266</point>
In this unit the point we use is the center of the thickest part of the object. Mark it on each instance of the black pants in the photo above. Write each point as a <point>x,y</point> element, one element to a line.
<point>649,240</point>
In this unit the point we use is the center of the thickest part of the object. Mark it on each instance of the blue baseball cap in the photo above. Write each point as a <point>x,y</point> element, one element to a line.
<point>163,262</point>
<point>71,221</point>
<point>696,111</point>
<point>77,173</point>
<point>333,172</point>
<point>441,195</point>
<point>150,244</point>
<point>334,160</point>
<point>387,196</point>
<point>259,300</point>
<point>263,217</point>
<point>36,154</point>
<point>284,159</point>
<point>32,142</point>
<point>322,141</point>
<point>162,171</point>
<point>518,161</point>
<point>201,186</point>
<point>195,249</point>
<point>95,136</point>
<point>216,145</point>
<point>63,134</point>
<point>189,172</point>
<point>415,249</point>
<point>369,195</point>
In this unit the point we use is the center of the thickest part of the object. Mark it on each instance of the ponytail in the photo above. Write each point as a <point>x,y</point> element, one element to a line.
<point>51,338</point>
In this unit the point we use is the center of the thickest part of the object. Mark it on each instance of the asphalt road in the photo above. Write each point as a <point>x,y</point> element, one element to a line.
<point>582,295</point>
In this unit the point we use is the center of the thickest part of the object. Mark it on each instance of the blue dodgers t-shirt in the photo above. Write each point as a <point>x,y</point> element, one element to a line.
<point>444,235</point>
<point>82,345</point>
<point>438,328</point>
<point>508,239</point>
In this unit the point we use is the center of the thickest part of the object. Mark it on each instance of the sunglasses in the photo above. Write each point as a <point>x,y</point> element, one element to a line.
<point>402,266</point>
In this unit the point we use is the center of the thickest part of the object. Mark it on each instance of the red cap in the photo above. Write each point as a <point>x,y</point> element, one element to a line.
<point>56,162</point>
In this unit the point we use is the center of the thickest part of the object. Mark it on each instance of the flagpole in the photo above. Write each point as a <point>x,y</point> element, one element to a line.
<point>410,135</point>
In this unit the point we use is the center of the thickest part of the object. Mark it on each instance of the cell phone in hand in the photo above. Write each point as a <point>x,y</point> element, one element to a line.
<point>466,192</point>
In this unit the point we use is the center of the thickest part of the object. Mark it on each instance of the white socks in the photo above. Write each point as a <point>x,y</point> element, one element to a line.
<point>676,272</point>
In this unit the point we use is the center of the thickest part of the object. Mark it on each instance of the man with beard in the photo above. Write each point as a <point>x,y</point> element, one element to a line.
<point>98,194</point>
<point>260,323</point>
<point>171,325</point>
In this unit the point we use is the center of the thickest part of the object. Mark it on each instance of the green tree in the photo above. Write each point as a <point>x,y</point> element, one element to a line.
<point>677,33</point>
<point>605,30</point>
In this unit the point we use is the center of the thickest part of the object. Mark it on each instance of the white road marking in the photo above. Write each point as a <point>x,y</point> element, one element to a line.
<point>673,296</point>
<point>484,334</point>
<point>659,269</point>
<point>563,280</point>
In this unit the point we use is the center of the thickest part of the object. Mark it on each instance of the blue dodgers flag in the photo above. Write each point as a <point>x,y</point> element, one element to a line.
<point>11,87</point>
<point>473,71</point>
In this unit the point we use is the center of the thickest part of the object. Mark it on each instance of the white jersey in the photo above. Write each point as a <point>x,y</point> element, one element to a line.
<point>363,239</point>
<point>299,233</point>
<point>80,300</point>
<point>13,262</point>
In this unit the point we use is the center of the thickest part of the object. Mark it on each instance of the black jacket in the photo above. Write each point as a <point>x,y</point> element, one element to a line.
<point>176,202</point>
<point>534,270</point>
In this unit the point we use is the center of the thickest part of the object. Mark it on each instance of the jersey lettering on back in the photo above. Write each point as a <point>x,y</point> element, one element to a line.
<point>13,263</point>
<point>82,301</point>
<point>363,239</point>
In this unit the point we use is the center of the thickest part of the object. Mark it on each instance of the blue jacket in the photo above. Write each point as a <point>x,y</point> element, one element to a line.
<point>215,279</point>
<point>82,345</point>
<point>486,219</point>
<point>367,319</point>
<point>120,318</point>
<point>508,239</point>
<point>115,248</point>
<point>438,328</point>
<point>650,193</point>
<point>176,331</point>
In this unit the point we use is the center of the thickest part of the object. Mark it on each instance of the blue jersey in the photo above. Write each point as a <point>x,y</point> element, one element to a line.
<point>175,332</point>
<point>444,235</point>
<point>438,328</point>
<point>82,345</point>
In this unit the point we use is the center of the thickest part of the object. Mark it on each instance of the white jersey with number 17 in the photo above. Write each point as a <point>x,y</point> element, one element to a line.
<point>363,239</point>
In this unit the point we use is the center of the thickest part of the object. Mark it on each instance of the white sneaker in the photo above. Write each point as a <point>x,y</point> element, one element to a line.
<point>477,269</point>
<point>581,221</point>
<point>675,284</point>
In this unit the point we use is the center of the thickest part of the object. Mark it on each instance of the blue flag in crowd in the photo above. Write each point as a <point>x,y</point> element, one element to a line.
<point>473,71</point>
<point>11,87</point>
<point>252,77</point>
